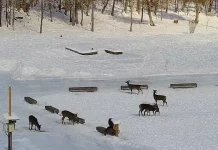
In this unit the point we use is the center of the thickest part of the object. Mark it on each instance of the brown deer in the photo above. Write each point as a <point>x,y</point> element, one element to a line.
<point>134,86</point>
<point>159,97</point>
<point>33,121</point>
<point>71,116</point>
<point>147,108</point>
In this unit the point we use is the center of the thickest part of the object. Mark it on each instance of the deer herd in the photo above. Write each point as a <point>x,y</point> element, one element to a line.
<point>142,107</point>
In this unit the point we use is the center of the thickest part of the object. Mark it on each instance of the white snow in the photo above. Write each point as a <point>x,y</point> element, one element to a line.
<point>39,66</point>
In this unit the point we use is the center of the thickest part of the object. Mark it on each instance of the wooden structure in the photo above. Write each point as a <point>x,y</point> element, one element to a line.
<point>52,109</point>
<point>88,53</point>
<point>116,128</point>
<point>125,87</point>
<point>183,85</point>
<point>30,100</point>
<point>113,52</point>
<point>83,89</point>
<point>81,120</point>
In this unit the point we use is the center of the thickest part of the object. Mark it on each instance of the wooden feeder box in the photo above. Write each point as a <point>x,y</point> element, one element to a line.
<point>116,127</point>
<point>9,122</point>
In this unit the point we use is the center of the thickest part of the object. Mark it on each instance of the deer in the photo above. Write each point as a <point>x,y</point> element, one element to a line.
<point>134,86</point>
<point>159,97</point>
<point>148,108</point>
<point>33,121</point>
<point>71,116</point>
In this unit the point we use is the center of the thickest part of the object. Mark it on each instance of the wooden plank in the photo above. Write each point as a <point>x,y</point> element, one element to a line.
<point>125,87</point>
<point>83,89</point>
<point>113,52</point>
<point>88,53</point>
<point>52,109</point>
<point>183,85</point>
<point>30,100</point>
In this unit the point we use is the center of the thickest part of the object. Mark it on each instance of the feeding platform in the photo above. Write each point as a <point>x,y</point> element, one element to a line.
<point>52,109</point>
<point>30,100</point>
<point>83,89</point>
<point>113,52</point>
<point>183,85</point>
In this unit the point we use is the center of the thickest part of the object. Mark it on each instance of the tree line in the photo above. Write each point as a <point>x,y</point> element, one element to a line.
<point>72,8</point>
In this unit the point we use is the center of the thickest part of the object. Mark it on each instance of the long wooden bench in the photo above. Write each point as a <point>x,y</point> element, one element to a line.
<point>52,109</point>
<point>87,53</point>
<point>30,100</point>
<point>113,52</point>
<point>125,87</point>
<point>183,85</point>
<point>83,89</point>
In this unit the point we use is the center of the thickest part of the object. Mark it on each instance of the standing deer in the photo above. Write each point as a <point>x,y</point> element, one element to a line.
<point>134,86</point>
<point>71,116</point>
<point>159,97</point>
<point>147,108</point>
<point>33,121</point>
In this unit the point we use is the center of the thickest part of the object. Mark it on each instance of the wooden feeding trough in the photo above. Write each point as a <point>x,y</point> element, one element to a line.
<point>81,120</point>
<point>83,89</point>
<point>87,53</point>
<point>125,87</point>
<point>52,109</point>
<point>30,100</point>
<point>113,52</point>
<point>183,85</point>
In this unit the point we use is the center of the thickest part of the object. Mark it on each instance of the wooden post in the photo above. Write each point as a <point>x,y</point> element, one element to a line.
<point>9,113</point>
<point>116,128</point>
<point>9,101</point>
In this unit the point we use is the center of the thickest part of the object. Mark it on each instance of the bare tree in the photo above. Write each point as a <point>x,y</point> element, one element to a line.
<point>148,4</point>
<point>13,3</point>
<point>125,6</point>
<point>112,12</point>
<point>82,8</point>
<point>42,13</point>
<point>142,11</point>
<point>0,13</point>
<point>73,13</point>
<point>131,15</point>
<point>50,10</point>
<point>105,5</point>
<point>92,17</point>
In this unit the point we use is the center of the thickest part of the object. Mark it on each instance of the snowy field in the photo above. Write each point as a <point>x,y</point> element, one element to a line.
<point>39,66</point>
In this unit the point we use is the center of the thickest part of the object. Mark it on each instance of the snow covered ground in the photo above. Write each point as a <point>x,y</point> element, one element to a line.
<point>39,66</point>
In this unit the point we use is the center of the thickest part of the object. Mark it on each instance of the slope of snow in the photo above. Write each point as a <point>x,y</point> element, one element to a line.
<point>39,66</point>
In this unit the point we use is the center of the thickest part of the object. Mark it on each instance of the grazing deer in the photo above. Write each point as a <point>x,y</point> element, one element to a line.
<point>159,97</point>
<point>147,108</point>
<point>71,116</point>
<point>33,121</point>
<point>134,86</point>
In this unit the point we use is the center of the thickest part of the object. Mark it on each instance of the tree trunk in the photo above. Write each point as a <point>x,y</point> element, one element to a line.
<point>42,12</point>
<point>197,12</point>
<point>50,10</point>
<point>9,19</point>
<point>81,22</point>
<point>142,12</point>
<point>92,18</point>
<point>125,6</point>
<point>161,11</point>
<point>59,6</point>
<point>0,13</point>
<point>138,6</point>
<point>6,12</point>
<point>13,3</point>
<point>88,8</point>
<point>112,12</point>
<point>131,15</point>
<point>73,13</point>
<point>105,5</point>
<point>167,4</point>
<point>149,13</point>
<point>210,6</point>
<point>76,12</point>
